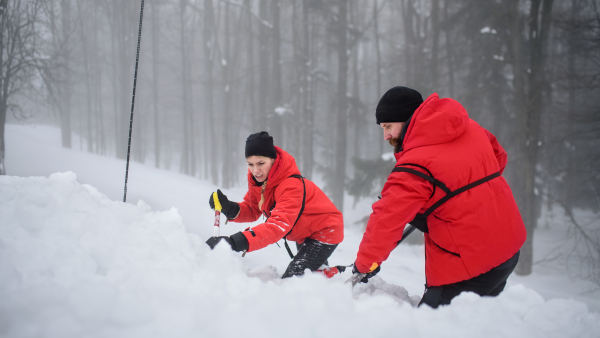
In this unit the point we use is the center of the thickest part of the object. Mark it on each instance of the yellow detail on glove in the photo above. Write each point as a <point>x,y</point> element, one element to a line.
<point>373,267</point>
<point>217,203</point>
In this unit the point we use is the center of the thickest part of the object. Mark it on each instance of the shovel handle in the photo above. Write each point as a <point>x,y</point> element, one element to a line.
<point>217,226</point>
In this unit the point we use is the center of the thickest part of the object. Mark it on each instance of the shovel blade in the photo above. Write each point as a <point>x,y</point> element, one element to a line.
<point>355,279</point>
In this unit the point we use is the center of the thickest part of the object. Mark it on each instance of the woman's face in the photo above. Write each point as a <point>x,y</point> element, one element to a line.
<point>259,167</point>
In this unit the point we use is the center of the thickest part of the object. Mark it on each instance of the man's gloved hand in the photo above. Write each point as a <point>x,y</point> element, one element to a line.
<point>368,275</point>
<point>228,208</point>
<point>237,241</point>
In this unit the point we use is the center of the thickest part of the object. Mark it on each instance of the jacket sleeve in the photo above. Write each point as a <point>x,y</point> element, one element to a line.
<point>500,153</point>
<point>249,211</point>
<point>403,195</point>
<point>288,202</point>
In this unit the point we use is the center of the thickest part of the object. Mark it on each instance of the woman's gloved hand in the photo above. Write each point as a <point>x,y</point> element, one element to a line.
<point>237,241</point>
<point>228,208</point>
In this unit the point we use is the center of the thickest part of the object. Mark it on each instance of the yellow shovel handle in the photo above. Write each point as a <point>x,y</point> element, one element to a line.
<point>217,203</point>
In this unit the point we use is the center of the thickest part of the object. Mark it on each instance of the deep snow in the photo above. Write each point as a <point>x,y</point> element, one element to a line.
<point>77,262</point>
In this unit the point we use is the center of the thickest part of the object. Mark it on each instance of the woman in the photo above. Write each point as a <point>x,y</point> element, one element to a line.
<point>294,207</point>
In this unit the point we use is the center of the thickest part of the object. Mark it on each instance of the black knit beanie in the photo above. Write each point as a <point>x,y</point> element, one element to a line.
<point>397,105</point>
<point>260,144</point>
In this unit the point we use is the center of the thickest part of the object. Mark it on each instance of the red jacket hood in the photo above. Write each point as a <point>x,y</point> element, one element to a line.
<point>436,121</point>
<point>284,167</point>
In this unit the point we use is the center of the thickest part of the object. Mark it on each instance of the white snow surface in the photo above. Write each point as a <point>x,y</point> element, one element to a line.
<point>75,261</point>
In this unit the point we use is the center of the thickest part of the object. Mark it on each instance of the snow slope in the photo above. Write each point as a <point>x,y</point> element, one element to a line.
<point>77,262</point>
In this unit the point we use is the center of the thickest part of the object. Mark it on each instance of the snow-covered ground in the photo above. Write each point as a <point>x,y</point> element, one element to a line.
<point>77,262</point>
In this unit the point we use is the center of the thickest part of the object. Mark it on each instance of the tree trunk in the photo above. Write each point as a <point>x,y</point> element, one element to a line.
<point>526,259</point>
<point>412,54</point>
<point>530,128</point>
<point>449,52</point>
<point>276,126</point>
<point>307,84</point>
<point>208,92</point>
<point>355,109</point>
<point>97,84</point>
<point>187,157</point>
<point>342,113</point>
<point>435,23</point>
<point>2,128</point>
<point>155,80</point>
<point>263,90</point>
<point>379,67</point>
<point>4,83</point>
<point>124,48</point>
<point>250,89</point>
<point>226,135</point>
<point>88,75</point>
<point>569,195</point>
<point>65,98</point>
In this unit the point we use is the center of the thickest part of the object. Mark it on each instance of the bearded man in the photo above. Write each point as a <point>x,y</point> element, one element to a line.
<point>447,183</point>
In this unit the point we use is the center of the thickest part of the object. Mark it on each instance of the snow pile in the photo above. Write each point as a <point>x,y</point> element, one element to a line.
<point>387,156</point>
<point>73,263</point>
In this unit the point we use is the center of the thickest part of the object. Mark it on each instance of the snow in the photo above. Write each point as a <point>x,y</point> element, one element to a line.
<point>387,156</point>
<point>487,30</point>
<point>77,262</point>
<point>283,110</point>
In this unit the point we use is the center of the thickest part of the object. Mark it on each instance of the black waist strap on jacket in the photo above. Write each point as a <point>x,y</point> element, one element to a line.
<point>287,246</point>
<point>420,220</point>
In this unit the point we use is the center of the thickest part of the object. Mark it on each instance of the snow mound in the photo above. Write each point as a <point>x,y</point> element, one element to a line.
<point>73,263</point>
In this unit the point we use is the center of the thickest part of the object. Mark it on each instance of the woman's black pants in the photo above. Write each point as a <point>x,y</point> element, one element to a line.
<point>311,255</point>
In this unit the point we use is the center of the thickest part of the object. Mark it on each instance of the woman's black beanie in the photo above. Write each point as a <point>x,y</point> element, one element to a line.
<point>260,144</point>
<point>397,105</point>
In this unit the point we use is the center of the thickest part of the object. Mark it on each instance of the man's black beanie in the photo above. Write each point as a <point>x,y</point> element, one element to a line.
<point>397,105</point>
<point>260,144</point>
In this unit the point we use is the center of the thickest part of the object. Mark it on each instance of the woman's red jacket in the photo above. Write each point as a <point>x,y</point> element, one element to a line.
<point>472,232</point>
<point>320,220</point>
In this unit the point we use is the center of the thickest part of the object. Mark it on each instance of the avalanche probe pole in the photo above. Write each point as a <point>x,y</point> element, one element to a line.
<point>137,59</point>
<point>217,227</point>
<point>358,276</point>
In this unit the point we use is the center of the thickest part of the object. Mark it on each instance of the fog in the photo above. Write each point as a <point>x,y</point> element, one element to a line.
<point>311,73</point>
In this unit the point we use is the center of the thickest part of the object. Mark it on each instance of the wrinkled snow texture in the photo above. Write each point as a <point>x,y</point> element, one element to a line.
<point>74,263</point>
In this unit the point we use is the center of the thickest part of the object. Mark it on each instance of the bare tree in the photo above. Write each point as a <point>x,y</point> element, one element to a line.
<point>530,121</point>
<point>155,80</point>
<point>57,71</point>
<point>20,51</point>
<point>188,159</point>
<point>208,48</point>
<point>342,110</point>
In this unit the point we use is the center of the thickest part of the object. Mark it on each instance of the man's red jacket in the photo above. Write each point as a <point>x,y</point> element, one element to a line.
<point>320,220</point>
<point>471,233</point>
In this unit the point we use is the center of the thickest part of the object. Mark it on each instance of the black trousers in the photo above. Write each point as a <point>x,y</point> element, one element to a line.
<point>490,283</point>
<point>311,255</point>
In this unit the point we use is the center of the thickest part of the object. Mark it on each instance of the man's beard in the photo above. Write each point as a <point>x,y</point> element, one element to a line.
<point>395,142</point>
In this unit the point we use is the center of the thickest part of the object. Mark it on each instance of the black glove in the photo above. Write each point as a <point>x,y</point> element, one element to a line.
<point>237,241</point>
<point>228,208</point>
<point>368,275</point>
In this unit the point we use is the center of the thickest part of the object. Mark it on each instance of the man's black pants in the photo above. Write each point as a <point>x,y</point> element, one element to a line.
<point>311,255</point>
<point>490,283</point>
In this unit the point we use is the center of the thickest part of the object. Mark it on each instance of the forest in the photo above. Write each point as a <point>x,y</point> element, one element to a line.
<point>311,72</point>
